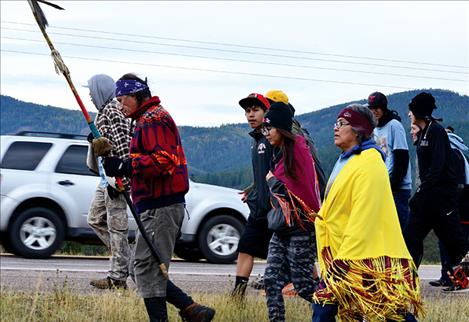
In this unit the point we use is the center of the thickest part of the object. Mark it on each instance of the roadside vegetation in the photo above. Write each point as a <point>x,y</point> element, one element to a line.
<point>63,305</point>
<point>431,254</point>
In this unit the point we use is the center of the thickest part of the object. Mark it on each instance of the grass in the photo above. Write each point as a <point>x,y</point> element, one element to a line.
<point>63,305</point>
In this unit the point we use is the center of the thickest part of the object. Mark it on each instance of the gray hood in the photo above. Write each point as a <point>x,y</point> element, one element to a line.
<point>102,90</point>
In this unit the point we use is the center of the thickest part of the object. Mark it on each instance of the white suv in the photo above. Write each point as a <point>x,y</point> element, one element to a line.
<point>46,191</point>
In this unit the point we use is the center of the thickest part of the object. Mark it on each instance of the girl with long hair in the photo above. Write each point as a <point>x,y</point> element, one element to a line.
<point>295,199</point>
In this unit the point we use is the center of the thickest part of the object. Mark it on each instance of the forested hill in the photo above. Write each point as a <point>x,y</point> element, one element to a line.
<point>221,155</point>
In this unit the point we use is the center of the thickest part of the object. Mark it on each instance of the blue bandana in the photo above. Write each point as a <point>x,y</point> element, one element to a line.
<point>128,87</point>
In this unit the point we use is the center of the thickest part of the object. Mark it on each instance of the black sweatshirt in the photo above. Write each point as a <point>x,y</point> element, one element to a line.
<point>259,196</point>
<point>434,157</point>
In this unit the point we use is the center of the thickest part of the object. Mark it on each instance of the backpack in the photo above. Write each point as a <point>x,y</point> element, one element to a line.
<point>458,160</point>
<point>298,130</point>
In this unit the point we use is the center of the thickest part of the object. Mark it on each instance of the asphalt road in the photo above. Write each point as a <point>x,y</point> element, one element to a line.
<point>21,274</point>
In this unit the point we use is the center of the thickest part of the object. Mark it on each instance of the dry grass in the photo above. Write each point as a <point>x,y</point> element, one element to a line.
<point>63,305</point>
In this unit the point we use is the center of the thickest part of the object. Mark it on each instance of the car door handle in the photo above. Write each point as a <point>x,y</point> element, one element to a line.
<point>65,183</point>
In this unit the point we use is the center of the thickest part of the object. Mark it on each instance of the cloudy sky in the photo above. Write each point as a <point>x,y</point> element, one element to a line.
<point>202,57</point>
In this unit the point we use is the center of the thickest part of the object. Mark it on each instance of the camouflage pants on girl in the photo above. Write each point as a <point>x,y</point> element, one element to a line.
<point>290,259</point>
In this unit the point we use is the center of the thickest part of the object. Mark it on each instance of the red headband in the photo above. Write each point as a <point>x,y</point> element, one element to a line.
<point>357,120</point>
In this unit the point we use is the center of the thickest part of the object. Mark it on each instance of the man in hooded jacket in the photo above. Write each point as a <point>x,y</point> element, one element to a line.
<point>108,212</point>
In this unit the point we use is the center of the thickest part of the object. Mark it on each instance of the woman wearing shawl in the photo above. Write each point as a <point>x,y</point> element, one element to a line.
<point>295,197</point>
<point>367,271</point>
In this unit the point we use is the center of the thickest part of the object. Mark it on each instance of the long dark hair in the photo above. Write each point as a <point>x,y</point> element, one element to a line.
<point>287,148</point>
<point>141,96</point>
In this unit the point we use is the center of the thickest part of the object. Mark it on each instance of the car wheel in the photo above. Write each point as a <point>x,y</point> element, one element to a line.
<point>187,253</point>
<point>219,238</point>
<point>36,233</point>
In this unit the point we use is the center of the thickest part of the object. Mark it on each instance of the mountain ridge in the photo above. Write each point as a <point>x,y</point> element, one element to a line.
<point>228,145</point>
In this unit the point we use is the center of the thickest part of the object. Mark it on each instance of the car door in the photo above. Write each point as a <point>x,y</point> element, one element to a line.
<point>74,184</point>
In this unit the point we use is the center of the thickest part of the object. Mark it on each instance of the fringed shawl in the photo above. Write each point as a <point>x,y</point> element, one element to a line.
<point>364,261</point>
<point>302,200</point>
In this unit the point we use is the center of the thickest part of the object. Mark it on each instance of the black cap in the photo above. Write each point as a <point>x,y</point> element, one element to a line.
<point>279,116</point>
<point>422,105</point>
<point>255,99</point>
<point>377,100</point>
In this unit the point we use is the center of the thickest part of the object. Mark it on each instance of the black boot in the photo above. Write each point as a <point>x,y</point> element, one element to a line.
<point>156,309</point>
<point>197,313</point>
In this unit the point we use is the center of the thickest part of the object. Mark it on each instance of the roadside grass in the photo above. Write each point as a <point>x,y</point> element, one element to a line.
<point>118,306</point>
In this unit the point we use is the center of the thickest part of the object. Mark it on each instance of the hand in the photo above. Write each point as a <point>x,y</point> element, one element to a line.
<point>90,137</point>
<point>116,167</point>
<point>101,146</point>
<point>244,196</point>
<point>112,193</point>
<point>269,175</point>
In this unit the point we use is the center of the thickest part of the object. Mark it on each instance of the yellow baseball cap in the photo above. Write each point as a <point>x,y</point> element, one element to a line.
<point>277,95</point>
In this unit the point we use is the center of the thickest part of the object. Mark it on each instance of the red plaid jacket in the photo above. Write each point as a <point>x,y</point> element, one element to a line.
<point>159,168</point>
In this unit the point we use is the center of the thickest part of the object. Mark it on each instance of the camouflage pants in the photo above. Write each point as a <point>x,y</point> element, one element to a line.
<point>162,225</point>
<point>290,259</point>
<point>108,218</point>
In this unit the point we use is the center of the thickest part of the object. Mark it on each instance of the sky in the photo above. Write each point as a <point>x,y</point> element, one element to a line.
<point>202,57</point>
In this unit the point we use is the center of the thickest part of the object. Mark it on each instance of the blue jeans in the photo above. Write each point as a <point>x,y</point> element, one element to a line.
<point>401,199</point>
<point>327,313</point>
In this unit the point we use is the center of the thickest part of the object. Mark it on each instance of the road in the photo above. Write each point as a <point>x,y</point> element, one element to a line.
<point>21,274</point>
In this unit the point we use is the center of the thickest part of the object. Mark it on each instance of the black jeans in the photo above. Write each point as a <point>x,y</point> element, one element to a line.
<point>444,256</point>
<point>435,209</point>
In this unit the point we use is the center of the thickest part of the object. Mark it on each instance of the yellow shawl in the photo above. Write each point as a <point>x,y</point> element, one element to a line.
<point>358,225</point>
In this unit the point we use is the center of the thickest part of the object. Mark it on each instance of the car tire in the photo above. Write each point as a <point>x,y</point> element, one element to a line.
<point>36,233</point>
<point>219,237</point>
<point>187,253</point>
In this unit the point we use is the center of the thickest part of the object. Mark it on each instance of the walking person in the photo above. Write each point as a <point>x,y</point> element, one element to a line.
<point>295,197</point>
<point>390,136</point>
<point>367,272</point>
<point>108,212</point>
<point>461,165</point>
<point>254,241</point>
<point>157,170</point>
<point>276,95</point>
<point>435,203</point>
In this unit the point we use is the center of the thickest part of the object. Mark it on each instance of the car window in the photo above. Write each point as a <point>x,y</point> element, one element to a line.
<point>24,155</point>
<point>73,161</point>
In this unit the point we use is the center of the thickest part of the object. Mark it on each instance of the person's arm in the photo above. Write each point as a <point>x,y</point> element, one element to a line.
<point>119,129</point>
<point>437,163</point>
<point>399,169</point>
<point>400,151</point>
<point>276,186</point>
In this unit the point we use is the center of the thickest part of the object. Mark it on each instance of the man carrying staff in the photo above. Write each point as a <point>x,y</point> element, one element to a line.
<point>157,170</point>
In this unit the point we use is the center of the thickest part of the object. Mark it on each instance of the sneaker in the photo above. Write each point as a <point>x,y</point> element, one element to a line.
<point>453,288</point>
<point>108,284</point>
<point>441,282</point>
<point>258,283</point>
<point>197,313</point>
